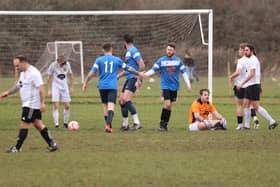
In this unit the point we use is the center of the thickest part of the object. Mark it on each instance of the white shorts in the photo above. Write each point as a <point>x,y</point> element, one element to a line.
<point>60,95</point>
<point>193,127</point>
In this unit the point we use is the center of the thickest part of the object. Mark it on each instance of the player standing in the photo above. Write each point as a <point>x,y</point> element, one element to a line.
<point>108,67</point>
<point>199,112</point>
<point>169,67</point>
<point>31,87</point>
<point>240,75</point>
<point>252,85</point>
<point>58,88</point>
<point>133,59</point>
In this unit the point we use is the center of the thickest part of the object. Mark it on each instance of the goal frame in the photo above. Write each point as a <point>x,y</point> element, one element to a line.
<point>209,12</point>
<point>73,43</point>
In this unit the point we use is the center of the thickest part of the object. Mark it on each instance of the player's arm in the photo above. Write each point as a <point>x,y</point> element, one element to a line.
<point>71,80</point>
<point>11,91</point>
<point>50,78</point>
<point>41,90</point>
<point>235,74</point>
<point>88,78</point>
<point>187,81</point>
<point>121,74</point>
<point>141,64</point>
<point>185,77</point>
<point>250,76</point>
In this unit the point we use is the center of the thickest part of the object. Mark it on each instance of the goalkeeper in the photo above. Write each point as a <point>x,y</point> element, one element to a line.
<point>199,111</point>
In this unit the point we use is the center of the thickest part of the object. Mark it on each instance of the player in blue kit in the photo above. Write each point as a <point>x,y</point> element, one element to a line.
<point>133,59</point>
<point>169,67</point>
<point>108,67</point>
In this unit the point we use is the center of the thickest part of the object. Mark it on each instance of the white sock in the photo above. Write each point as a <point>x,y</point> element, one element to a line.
<point>266,115</point>
<point>247,116</point>
<point>56,116</point>
<point>136,119</point>
<point>125,122</point>
<point>66,115</point>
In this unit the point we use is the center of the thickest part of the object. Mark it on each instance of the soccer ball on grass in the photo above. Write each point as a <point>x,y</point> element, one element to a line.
<point>73,125</point>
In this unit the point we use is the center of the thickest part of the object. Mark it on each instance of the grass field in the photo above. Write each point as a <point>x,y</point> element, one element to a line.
<point>90,157</point>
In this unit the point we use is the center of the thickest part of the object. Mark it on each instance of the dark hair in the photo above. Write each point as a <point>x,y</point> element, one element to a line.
<point>128,38</point>
<point>107,47</point>
<point>172,44</point>
<point>252,48</point>
<point>21,58</point>
<point>204,90</point>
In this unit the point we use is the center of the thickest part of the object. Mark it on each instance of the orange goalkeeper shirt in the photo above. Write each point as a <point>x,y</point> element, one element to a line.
<point>202,108</point>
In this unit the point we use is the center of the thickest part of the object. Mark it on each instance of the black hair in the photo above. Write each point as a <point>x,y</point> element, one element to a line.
<point>128,38</point>
<point>172,44</point>
<point>204,90</point>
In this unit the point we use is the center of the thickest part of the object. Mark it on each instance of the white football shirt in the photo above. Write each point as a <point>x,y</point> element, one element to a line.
<point>59,75</point>
<point>29,81</point>
<point>254,63</point>
<point>241,64</point>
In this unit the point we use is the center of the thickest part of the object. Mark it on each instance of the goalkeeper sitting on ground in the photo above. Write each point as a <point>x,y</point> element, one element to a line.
<point>199,111</point>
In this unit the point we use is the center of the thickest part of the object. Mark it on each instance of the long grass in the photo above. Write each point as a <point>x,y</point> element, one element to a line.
<point>90,157</point>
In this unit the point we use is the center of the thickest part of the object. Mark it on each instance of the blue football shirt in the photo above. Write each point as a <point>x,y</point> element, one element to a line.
<point>169,68</point>
<point>132,56</point>
<point>108,67</point>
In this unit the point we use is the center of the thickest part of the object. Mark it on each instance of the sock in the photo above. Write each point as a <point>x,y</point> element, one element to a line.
<point>247,114</point>
<point>131,107</point>
<point>124,110</point>
<point>136,119</point>
<point>164,118</point>
<point>266,115</point>
<point>125,122</point>
<point>66,115</point>
<point>240,120</point>
<point>56,116</point>
<point>110,117</point>
<point>253,112</point>
<point>45,133</point>
<point>105,118</point>
<point>21,137</point>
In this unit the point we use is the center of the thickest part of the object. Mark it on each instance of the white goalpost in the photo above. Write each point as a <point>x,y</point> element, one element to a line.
<point>152,29</point>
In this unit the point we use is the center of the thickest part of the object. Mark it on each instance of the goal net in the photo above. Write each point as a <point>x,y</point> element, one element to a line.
<point>28,32</point>
<point>71,50</point>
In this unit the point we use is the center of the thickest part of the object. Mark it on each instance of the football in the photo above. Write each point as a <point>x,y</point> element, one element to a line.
<point>73,125</point>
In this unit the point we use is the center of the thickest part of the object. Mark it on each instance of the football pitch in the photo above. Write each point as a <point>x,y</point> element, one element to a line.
<point>90,157</point>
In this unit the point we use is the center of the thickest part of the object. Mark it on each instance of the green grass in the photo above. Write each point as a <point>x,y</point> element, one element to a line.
<point>90,157</point>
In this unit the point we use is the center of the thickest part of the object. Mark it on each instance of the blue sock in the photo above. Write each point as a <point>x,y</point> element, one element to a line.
<point>131,107</point>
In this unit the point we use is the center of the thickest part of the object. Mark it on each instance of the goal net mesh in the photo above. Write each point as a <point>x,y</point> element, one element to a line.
<point>29,35</point>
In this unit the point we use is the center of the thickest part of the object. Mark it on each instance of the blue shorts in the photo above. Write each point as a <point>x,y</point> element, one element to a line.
<point>108,96</point>
<point>129,85</point>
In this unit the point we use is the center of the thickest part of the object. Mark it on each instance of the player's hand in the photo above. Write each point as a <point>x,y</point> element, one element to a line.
<point>43,107</point>
<point>4,94</point>
<point>142,74</point>
<point>238,87</point>
<point>138,84</point>
<point>189,89</point>
<point>84,87</point>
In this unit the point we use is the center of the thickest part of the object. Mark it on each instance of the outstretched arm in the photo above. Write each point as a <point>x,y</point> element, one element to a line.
<point>11,91</point>
<point>88,78</point>
<point>187,81</point>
